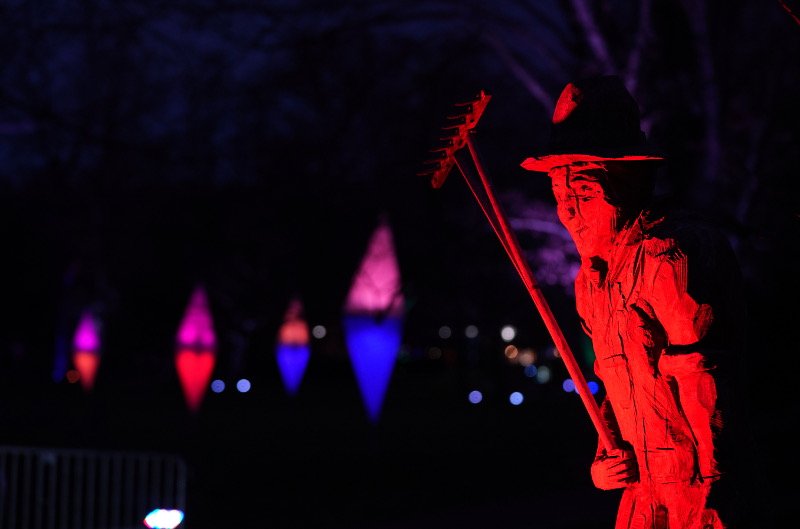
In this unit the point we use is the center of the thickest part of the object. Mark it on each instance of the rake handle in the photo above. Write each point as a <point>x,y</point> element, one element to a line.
<point>497,220</point>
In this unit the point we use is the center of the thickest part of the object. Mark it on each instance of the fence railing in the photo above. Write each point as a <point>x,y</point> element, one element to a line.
<point>53,488</point>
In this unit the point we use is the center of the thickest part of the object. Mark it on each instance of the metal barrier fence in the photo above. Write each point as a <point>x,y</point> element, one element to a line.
<point>51,488</point>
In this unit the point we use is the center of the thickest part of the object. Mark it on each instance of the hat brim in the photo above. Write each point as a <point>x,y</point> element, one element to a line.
<point>544,163</point>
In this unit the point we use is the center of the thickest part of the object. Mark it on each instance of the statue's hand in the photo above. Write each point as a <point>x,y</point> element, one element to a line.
<point>614,469</point>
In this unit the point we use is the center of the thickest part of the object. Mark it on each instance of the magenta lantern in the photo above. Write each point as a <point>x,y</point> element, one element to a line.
<point>86,349</point>
<point>195,349</point>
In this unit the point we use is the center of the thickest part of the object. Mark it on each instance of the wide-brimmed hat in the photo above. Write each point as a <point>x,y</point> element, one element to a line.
<point>595,119</point>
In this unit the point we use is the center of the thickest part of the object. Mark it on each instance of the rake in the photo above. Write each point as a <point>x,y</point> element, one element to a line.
<point>459,129</point>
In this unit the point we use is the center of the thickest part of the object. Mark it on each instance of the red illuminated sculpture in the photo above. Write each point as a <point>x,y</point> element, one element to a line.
<point>657,292</point>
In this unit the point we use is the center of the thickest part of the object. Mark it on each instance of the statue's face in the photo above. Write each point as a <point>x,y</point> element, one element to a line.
<point>583,208</point>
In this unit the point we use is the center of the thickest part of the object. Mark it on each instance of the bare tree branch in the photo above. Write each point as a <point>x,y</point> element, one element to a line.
<point>637,51</point>
<point>596,41</point>
<point>697,11</point>
<point>789,10</point>
<point>530,83</point>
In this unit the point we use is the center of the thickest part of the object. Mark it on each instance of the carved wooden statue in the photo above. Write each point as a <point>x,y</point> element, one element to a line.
<point>658,293</point>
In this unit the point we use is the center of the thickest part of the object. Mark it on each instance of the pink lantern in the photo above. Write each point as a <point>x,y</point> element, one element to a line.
<point>373,319</point>
<point>292,351</point>
<point>86,349</point>
<point>195,354</point>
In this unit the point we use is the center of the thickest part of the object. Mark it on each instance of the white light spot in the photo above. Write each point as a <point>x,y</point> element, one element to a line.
<point>319,331</point>
<point>508,333</point>
<point>163,518</point>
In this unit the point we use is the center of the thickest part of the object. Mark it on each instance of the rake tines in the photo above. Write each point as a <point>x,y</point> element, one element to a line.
<point>457,127</point>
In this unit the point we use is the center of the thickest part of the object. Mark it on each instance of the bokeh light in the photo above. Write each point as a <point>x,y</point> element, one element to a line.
<point>163,518</point>
<point>319,331</point>
<point>471,331</point>
<point>511,352</point>
<point>526,357</point>
<point>445,332</point>
<point>434,353</point>
<point>243,385</point>
<point>516,398</point>
<point>508,333</point>
<point>543,375</point>
<point>217,386</point>
<point>475,396</point>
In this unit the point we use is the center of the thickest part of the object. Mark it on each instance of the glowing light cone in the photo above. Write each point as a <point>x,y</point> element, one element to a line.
<point>292,351</point>
<point>195,354</point>
<point>373,319</point>
<point>86,349</point>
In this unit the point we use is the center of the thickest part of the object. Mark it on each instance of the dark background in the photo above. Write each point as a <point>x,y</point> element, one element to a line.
<point>252,147</point>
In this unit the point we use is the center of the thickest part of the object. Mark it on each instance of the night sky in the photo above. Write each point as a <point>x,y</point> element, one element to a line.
<point>253,147</point>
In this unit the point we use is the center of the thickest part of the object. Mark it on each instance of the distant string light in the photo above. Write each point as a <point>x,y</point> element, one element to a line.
<point>445,332</point>
<point>471,331</point>
<point>475,396</point>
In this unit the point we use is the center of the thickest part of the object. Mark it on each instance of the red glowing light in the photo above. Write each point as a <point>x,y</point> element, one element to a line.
<point>86,363</point>
<point>194,369</point>
<point>294,330</point>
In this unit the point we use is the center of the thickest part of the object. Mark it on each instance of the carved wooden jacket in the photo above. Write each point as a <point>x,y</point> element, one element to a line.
<point>651,317</point>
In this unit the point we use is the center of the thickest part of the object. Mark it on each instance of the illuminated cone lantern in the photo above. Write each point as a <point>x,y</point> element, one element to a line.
<point>86,349</point>
<point>373,319</point>
<point>195,353</point>
<point>293,351</point>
